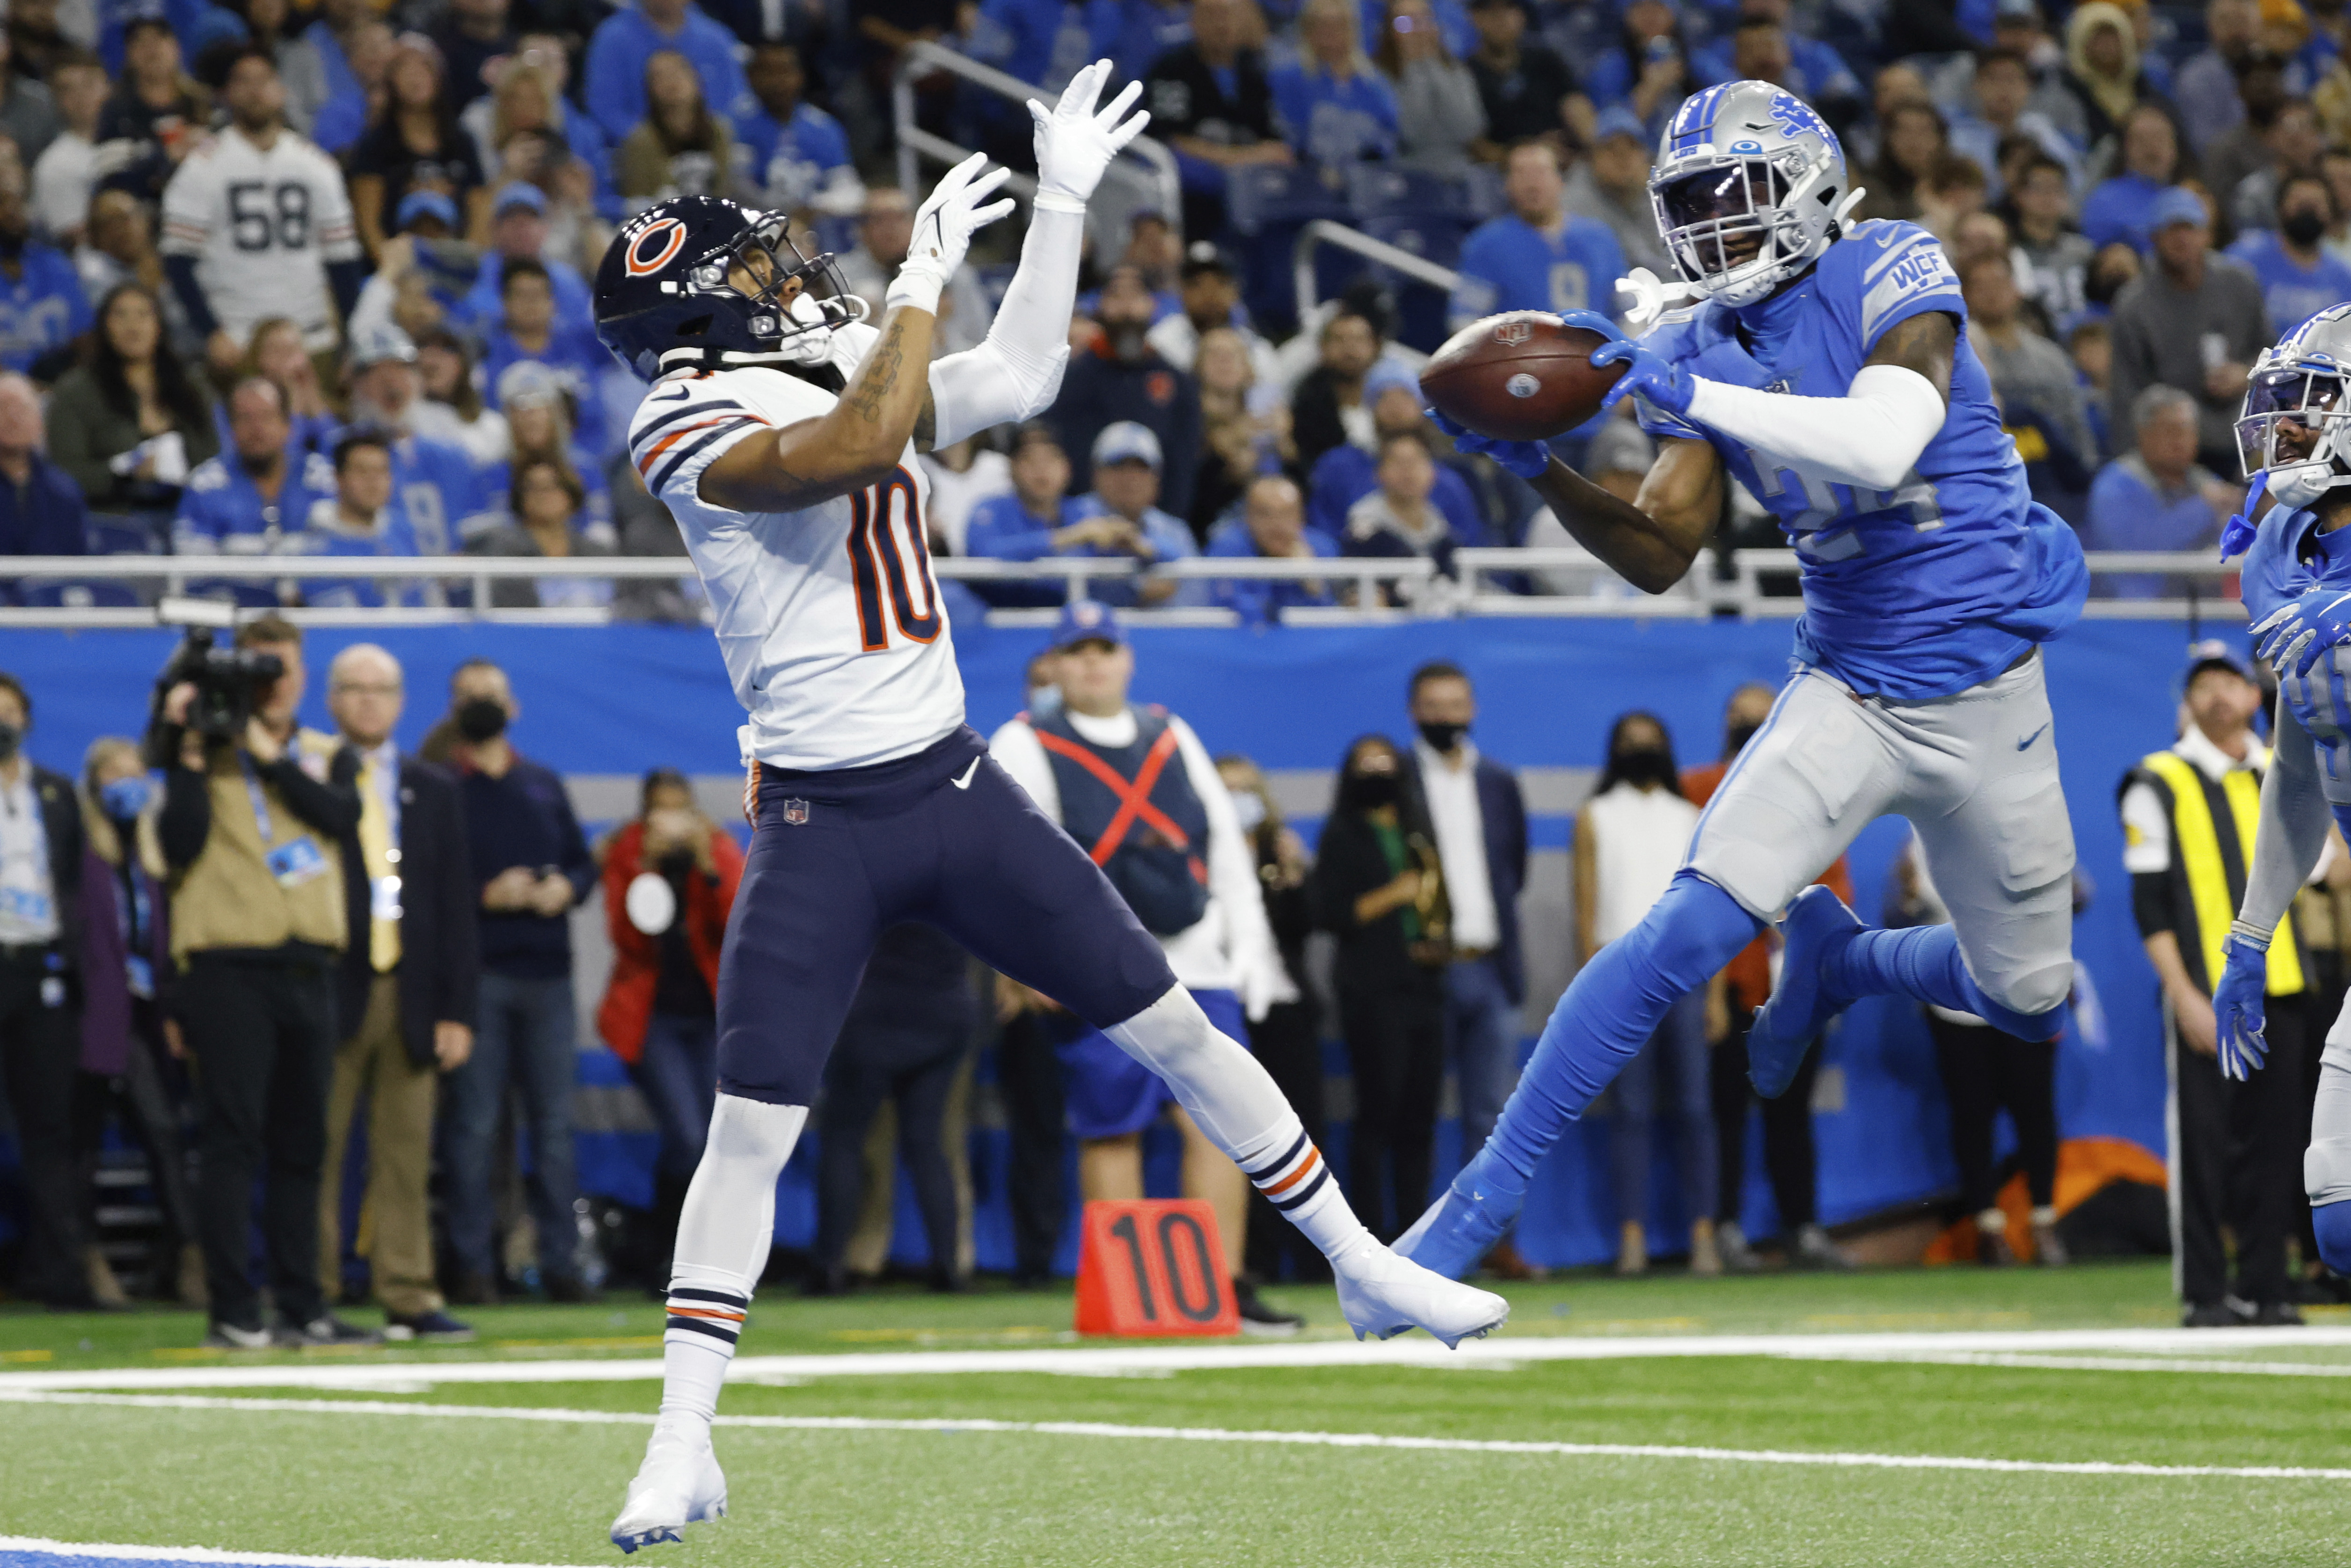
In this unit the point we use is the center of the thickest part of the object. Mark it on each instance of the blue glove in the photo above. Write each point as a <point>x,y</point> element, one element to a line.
<point>1527,459</point>
<point>1594,321</point>
<point>2236,1007</point>
<point>1668,387</point>
<point>2301,633</point>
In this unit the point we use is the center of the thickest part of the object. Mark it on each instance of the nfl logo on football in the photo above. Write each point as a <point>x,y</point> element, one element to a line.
<point>795,813</point>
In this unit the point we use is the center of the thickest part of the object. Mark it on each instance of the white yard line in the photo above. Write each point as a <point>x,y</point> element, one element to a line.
<point>2091,1363</point>
<point>950,1426</point>
<point>420,1373</point>
<point>87,1549</point>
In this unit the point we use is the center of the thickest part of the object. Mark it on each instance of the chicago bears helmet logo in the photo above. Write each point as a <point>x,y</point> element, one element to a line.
<point>663,240</point>
<point>1512,333</point>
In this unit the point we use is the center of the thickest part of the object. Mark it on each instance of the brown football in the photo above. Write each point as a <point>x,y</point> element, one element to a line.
<point>1523,376</point>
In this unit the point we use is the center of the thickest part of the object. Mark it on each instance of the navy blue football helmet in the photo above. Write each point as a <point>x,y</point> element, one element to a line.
<point>665,298</point>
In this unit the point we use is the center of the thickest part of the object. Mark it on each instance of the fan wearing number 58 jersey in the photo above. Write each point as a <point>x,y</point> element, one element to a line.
<point>1825,366</point>
<point>782,432</point>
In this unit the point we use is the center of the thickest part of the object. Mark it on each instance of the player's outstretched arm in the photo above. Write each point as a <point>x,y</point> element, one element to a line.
<point>2286,847</point>
<point>861,438</point>
<point>1016,372</point>
<point>1649,541</point>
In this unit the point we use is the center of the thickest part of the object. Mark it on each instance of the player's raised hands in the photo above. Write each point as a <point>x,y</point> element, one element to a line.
<point>1075,143</point>
<point>2237,1006</point>
<point>1666,386</point>
<point>944,225</point>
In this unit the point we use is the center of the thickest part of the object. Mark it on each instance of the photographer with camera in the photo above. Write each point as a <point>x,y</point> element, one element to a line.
<point>254,807</point>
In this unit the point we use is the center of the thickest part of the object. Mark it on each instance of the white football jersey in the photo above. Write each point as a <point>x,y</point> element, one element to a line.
<point>262,227</point>
<point>828,619</point>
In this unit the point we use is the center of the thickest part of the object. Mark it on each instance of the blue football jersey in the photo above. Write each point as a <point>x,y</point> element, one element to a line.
<point>1942,582</point>
<point>2289,557</point>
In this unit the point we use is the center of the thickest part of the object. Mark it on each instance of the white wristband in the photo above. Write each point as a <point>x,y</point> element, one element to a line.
<point>2252,936</point>
<point>917,288</point>
<point>1054,201</point>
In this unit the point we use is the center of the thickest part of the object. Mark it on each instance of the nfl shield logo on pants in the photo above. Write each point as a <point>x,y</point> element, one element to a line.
<point>795,812</point>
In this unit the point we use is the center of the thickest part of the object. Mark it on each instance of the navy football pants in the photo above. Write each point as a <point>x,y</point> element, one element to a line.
<point>944,837</point>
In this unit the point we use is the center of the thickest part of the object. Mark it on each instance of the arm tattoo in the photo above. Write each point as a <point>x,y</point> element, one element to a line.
<point>880,377</point>
<point>1926,344</point>
<point>927,424</point>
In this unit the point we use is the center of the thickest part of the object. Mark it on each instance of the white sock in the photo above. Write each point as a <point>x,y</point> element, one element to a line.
<point>723,1233</point>
<point>1233,1100</point>
<point>2044,1214</point>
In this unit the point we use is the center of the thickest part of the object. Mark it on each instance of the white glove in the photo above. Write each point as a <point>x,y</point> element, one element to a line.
<point>943,229</point>
<point>1265,984</point>
<point>1074,144</point>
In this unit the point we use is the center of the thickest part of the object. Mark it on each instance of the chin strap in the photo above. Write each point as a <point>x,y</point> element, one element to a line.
<point>2237,533</point>
<point>1651,297</point>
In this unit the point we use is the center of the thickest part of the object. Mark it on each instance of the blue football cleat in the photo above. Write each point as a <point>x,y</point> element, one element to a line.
<point>1817,926</point>
<point>1463,1224</point>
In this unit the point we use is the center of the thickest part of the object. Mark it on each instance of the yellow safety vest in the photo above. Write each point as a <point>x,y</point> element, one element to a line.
<point>2196,841</point>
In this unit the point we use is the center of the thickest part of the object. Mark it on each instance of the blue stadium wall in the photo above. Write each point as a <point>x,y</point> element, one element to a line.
<point>613,701</point>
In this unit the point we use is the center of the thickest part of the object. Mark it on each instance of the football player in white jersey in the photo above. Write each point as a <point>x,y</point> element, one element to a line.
<point>257,223</point>
<point>781,432</point>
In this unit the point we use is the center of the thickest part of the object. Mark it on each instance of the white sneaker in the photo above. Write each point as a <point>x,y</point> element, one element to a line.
<point>1383,1295</point>
<point>679,1484</point>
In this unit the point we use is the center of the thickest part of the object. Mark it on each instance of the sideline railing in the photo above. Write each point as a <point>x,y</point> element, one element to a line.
<point>1556,582</point>
<point>1323,231</point>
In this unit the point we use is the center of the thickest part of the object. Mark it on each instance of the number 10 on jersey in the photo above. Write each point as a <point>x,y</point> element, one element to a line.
<point>889,559</point>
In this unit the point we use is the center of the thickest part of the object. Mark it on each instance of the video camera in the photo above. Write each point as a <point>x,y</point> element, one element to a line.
<point>229,682</point>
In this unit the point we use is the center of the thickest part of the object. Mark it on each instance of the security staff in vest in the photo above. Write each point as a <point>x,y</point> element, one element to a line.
<point>249,829</point>
<point>1138,791</point>
<point>405,993</point>
<point>2189,816</point>
<point>40,887</point>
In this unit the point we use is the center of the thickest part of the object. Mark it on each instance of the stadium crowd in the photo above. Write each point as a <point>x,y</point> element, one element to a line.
<point>252,255</point>
<point>311,281</point>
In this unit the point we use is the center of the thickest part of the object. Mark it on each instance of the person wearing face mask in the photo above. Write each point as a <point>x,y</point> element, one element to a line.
<point>530,866</point>
<point>2298,277</point>
<point>1479,820</point>
<point>125,963</point>
<point>1743,985</point>
<point>1379,887</point>
<point>40,887</point>
<point>1630,839</point>
<point>670,878</point>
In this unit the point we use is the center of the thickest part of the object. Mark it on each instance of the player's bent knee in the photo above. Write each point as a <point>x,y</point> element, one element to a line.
<point>752,1132</point>
<point>2326,1170</point>
<point>1688,935</point>
<point>1167,1034</point>
<point>2030,996</point>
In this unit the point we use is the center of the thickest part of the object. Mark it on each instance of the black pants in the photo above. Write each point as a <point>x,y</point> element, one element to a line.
<point>863,1074</point>
<point>145,1097</point>
<point>2237,1162</point>
<point>1395,1044</point>
<point>1287,1045</point>
<point>1028,1082</point>
<point>1788,1158</point>
<point>263,1036</point>
<point>1985,1072</point>
<point>38,1051</point>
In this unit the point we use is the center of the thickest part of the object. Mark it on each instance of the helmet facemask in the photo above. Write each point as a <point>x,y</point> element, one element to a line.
<point>1736,225</point>
<point>2294,428</point>
<point>761,266</point>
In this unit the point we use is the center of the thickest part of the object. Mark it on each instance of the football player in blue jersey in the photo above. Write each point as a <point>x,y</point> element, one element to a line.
<point>1826,368</point>
<point>2295,437</point>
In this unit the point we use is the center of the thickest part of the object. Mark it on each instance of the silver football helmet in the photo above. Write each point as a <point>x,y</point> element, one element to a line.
<point>1749,189</point>
<point>2295,425</point>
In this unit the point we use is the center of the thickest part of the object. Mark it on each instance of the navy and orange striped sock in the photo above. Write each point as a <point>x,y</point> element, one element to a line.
<point>1297,1181</point>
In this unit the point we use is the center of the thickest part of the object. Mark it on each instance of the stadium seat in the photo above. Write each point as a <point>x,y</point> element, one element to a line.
<point>1381,191</point>
<point>1264,197</point>
<point>1421,308</point>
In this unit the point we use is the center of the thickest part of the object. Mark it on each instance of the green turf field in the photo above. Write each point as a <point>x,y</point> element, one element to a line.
<point>277,1466</point>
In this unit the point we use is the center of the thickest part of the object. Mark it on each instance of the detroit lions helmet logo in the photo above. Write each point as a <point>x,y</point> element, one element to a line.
<point>1797,118</point>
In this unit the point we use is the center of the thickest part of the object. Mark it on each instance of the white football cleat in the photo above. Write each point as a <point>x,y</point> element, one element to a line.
<point>679,1484</point>
<point>1383,1295</point>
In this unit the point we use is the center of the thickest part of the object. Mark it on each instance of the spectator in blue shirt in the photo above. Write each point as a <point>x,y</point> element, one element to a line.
<point>518,228</point>
<point>263,486</point>
<point>1453,23</point>
<point>538,427</point>
<point>1126,464</point>
<point>1039,518</point>
<point>435,483</point>
<point>1333,107</point>
<point>1271,526</point>
<point>794,154</point>
<point>41,506</point>
<point>2298,278</point>
<point>629,37</point>
<point>42,306</point>
<point>528,332</point>
<point>2157,498</point>
<point>1538,255</point>
<point>1148,29</point>
<point>2123,208</point>
<point>2003,91</point>
<point>362,518</point>
<point>1347,473</point>
<point>1762,48</point>
<point>354,70</point>
<point>1649,71</point>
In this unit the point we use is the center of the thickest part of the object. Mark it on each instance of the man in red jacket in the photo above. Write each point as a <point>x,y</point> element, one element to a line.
<point>669,882</point>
